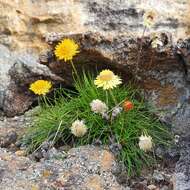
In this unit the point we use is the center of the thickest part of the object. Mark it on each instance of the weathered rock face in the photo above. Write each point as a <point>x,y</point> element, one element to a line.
<point>17,72</point>
<point>182,171</point>
<point>83,168</point>
<point>25,22</point>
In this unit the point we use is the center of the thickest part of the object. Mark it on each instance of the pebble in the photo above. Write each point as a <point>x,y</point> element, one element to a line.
<point>8,139</point>
<point>164,188</point>
<point>157,176</point>
<point>20,153</point>
<point>151,187</point>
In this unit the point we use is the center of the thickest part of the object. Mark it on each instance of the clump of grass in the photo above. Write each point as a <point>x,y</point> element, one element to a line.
<point>56,117</point>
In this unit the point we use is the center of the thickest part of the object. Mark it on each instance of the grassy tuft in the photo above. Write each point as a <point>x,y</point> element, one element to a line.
<point>56,117</point>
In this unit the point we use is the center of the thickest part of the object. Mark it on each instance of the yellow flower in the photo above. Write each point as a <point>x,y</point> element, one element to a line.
<point>40,87</point>
<point>149,18</point>
<point>107,80</point>
<point>66,50</point>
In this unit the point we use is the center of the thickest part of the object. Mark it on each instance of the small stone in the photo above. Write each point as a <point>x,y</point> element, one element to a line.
<point>8,139</point>
<point>35,187</point>
<point>165,188</point>
<point>158,176</point>
<point>37,155</point>
<point>20,153</point>
<point>151,187</point>
<point>46,173</point>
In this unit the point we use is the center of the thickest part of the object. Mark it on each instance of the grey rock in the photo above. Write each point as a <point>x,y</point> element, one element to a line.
<point>8,139</point>
<point>85,168</point>
<point>120,23</point>
<point>182,170</point>
<point>164,188</point>
<point>158,176</point>
<point>17,71</point>
<point>6,62</point>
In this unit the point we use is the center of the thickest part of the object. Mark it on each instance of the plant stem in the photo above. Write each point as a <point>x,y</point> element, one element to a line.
<point>106,97</point>
<point>140,51</point>
<point>45,101</point>
<point>56,133</point>
<point>116,105</point>
<point>113,97</point>
<point>74,69</point>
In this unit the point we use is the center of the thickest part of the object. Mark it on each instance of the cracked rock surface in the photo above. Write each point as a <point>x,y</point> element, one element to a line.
<point>85,168</point>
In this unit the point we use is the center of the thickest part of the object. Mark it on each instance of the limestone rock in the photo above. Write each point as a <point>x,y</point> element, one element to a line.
<point>24,22</point>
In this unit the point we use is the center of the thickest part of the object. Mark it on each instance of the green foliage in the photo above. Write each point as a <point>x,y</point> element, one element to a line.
<point>57,115</point>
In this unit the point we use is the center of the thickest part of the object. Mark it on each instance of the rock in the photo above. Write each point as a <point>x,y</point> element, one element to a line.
<point>8,139</point>
<point>23,23</point>
<point>158,176</point>
<point>20,153</point>
<point>181,178</point>
<point>85,167</point>
<point>21,70</point>
<point>163,75</point>
<point>151,187</point>
<point>6,62</point>
<point>165,188</point>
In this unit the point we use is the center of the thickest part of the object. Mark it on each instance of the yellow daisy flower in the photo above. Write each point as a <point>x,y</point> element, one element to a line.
<point>149,18</point>
<point>107,80</point>
<point>41,87</point>
<point>66,50</point>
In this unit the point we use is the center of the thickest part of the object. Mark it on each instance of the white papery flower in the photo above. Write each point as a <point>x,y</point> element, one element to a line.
<point>145,143</point>
<point>78,128</point>
<point>156,43</point>
<point>97,106</point>
<point>116,111</point>
<point>149,18</point>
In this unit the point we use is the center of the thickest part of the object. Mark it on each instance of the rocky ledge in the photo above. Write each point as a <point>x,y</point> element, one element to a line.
<point>81,168</point>
<point>87,167</point>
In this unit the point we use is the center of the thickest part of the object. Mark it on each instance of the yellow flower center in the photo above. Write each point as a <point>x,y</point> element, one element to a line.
<point>106,75</point>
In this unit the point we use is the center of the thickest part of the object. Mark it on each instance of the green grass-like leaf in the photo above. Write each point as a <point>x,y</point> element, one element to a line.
<point>55,118</point>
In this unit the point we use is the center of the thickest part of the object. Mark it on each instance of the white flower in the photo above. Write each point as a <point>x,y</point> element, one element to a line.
<point>176,138</point>
<point>97,106</point>
<point>156,43</point>
<point>145,143</point>
<point>116,111</point>
<point>149,18</point>
<point>78,128</point>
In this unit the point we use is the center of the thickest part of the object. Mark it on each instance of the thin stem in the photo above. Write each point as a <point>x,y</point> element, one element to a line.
<point>106,97</point>
<point>74,69</point>
<point>39,101</point>
<point>45,100</point>
<point>56,133</point>
<point>116,105</point>
<point>140,50</point>
<point>113,97</point>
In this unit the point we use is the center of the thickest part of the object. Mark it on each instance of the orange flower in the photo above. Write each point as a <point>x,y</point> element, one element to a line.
<point>128,105</point>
